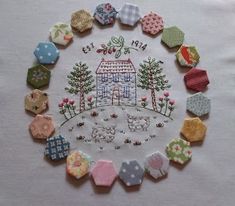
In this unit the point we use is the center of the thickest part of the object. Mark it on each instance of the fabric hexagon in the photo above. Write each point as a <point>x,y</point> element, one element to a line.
<point>187,56</point>
<point>198,104</point>
<point>193,129</point>
<point>61,33</point>
<point>152,23</point>
<point>172,36</point>
<point>57,148</point>
<point>36,101</point>
<point>156,165</point>
<point>38,76</point>
<point>105,14</point>
<point>131,173</point>
<point>196,79</point>
<point>129,14</point>
<point>81,20</point>
<point>104,173</point>
<point>78,164</point>
<point>42,127</point>
<point>179,150</point>
<point>46,53</point>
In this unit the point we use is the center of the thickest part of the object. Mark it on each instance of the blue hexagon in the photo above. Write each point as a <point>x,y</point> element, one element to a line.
<point>129,14</point>
<point>131,173</point>
<point>105,14</point>
<point>46,53</point>
<point>198,104</point>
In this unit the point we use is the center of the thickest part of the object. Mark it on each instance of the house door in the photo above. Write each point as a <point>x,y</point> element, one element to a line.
<point>115,95</point>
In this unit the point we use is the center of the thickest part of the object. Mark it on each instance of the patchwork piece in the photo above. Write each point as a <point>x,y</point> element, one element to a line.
<point>78,164</point>
<point>81,20</point>
<point>193,129</point>
<point>156,165</point>
<point>196,79</point>
<point>105,14</point>
<point>57,148</point>
<point>36,102</point>
<point>38,76</point>
<point>61,33</point>
<point>179,151</point>
<point>198,104</point>
<point>46,53</point>
<point>129,14</point>
<point>152,23</point>
<point>104,173</point>
<point>172,36</point>
<point>187,56</point>
<point>131,173</point>
<point>42,127</point>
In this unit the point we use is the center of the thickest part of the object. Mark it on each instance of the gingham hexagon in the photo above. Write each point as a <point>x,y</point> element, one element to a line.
<point>78,164</point>
<point>61,33</point>
<point>179,151</point>
<point>38,76</point>
<point>36,102</point>
<point>196,79</point>
<point>105,14</point>
<point>131,173</point>
<point>46,53</point>
<point>156,165</point>
<point>57,148</point>
<point>198,104</point>
<point>104,173</point>
<point>152,23</point>
<point>172,36</point>
<point>187,56</point>
<point>129,14</point>
<point>42,127</point>
<point>193,129</point>
<point>81,20</point>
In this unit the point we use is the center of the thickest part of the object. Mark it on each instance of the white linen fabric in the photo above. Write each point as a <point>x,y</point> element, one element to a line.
<point>27,178</point>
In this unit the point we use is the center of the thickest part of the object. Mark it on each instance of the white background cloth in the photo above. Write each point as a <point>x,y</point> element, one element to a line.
<point>26,178</point>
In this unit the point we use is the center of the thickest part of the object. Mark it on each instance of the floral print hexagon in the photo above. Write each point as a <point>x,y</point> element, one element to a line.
<point>179,150</point>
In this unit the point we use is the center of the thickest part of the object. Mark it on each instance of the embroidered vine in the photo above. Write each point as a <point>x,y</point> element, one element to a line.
<point>116,45</point>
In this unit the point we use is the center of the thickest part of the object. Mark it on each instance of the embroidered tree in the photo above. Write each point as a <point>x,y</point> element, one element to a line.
<point>150,77</point>
<point>80,81</point>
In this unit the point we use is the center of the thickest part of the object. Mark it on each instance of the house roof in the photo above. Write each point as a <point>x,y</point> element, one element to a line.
<point>115,66</point>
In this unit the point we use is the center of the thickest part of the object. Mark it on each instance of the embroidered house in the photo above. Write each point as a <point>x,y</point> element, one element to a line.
<point>116,83</point>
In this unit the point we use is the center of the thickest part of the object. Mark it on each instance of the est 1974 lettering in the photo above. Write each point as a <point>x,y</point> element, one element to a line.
<point>88,48</point>
<point>139,44</point>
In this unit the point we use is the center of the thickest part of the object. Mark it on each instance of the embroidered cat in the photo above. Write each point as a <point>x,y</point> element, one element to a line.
<point>138,122</point>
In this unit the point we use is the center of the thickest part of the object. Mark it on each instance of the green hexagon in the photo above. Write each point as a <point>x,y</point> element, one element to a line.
<point>38,76</point>
<point>172,36</point>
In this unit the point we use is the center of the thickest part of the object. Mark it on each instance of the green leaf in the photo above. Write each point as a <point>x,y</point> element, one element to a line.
<point>57,33</point>
<point>118,54</point>
<point>115,40</point>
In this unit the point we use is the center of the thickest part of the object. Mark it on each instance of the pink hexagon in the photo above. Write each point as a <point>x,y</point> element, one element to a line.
<point>104,173</point>
<point>152,23</point>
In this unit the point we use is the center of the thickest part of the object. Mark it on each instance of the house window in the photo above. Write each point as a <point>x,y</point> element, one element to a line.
<point>104,77</point>
<point>115,77</point>
<point>104,91</point>
<point>127,77</point>
<point>126,91</point>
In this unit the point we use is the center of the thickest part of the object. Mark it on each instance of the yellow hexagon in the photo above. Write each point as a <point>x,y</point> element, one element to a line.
<point>193,129</point>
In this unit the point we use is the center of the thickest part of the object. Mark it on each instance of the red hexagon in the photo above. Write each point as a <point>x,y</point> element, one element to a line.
<point>104,173</point>
<point>196,79</point>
